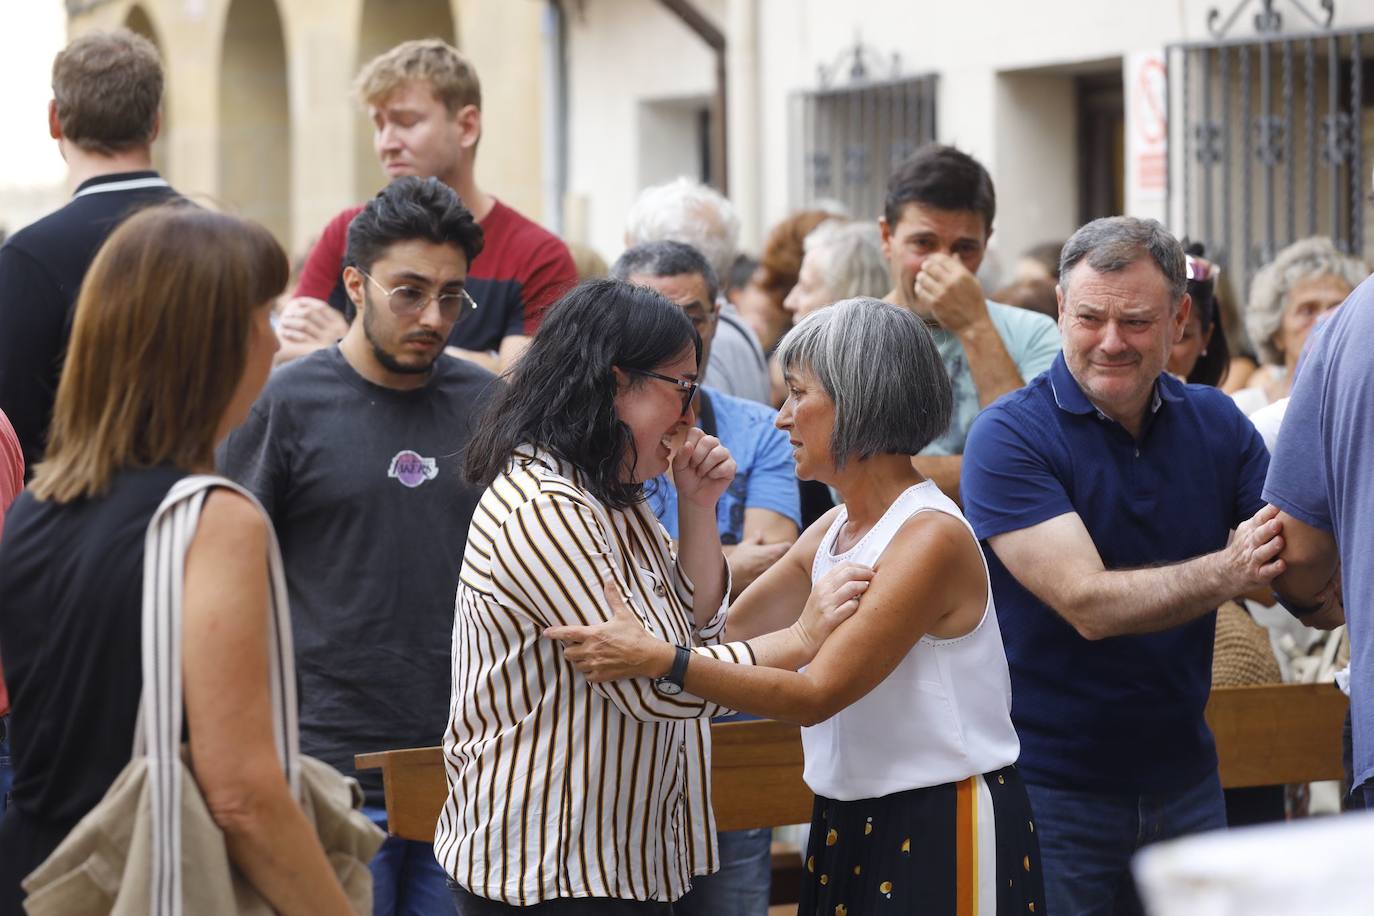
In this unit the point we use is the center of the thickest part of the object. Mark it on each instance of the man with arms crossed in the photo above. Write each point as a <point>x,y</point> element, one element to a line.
<point>425,104</point>
<point>1106,493</point>
<point>935,229</point>
<point>356,452</point>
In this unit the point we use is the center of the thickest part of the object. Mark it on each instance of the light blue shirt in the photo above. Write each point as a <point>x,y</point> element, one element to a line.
<point>1321,475</point>
<point>766,477</point>
<point>1032,341</point>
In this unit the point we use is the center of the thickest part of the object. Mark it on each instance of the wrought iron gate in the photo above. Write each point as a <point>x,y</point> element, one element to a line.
<point>1273,143</point>
<point>846,139</point>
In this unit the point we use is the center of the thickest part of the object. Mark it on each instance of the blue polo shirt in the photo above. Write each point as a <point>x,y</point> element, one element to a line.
<point>1123,714</point>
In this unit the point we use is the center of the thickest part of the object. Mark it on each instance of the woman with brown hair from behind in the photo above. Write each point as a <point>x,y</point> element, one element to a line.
<point>171,343</point>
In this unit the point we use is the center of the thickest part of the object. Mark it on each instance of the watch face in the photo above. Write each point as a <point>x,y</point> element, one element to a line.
<point>667,687</point>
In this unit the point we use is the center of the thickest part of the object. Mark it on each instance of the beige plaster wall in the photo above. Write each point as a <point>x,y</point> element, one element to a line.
<point>314,141</point>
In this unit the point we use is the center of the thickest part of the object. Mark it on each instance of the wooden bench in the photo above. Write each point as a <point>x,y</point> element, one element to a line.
<point>1265,736</point>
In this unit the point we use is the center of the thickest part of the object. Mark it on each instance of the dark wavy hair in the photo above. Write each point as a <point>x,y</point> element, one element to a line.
<point>560,395</point>
<point>411,208</point>
<point>1212,365</point>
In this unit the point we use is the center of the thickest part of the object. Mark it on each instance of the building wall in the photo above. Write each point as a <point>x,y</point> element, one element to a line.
<point>629,61</point>
<point>1005,91</point>
<point>259,113</point>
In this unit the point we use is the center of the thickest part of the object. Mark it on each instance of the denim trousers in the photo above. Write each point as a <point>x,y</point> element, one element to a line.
<point>1087,840</point>
<point>6,770</point>
<point>742,885</point>
<point>406,878</point>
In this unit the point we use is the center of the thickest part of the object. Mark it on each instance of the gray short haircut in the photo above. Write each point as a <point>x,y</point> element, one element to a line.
<point>850,257</point>
<point>666,259</point>
<point>1305,258</point>
<point>686,211</point>
<point>881,367</point>
<point>1115,242</point>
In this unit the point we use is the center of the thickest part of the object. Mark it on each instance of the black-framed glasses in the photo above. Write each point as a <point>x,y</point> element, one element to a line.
<point>407,300</point>
<point>689,389</point>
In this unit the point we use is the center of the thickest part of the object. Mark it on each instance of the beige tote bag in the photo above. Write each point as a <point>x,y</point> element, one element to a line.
<point>150,846</point>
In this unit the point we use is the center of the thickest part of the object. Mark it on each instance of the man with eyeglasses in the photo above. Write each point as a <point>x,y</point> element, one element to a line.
<point>356,451</point>
<point>759,517</point>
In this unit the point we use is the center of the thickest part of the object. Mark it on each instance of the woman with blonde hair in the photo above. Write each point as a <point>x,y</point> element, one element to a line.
<point>171,343</point>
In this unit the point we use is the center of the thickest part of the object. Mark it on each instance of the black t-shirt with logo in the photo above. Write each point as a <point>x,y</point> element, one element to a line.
<point>364,486</point>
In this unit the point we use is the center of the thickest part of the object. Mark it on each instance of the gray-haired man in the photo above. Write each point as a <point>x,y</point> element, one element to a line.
<point>1106,494</point>
<point>691,213</point>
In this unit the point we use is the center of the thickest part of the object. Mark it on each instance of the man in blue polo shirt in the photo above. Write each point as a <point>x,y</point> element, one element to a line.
<point>1105,493</point>
<point>759,517</point>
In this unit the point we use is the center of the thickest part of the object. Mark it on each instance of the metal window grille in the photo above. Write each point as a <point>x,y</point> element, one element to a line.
<point>1273,144</point>
<point>847,140</point>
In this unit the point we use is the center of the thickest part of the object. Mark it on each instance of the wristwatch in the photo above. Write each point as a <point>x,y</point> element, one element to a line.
<point>671,683</point>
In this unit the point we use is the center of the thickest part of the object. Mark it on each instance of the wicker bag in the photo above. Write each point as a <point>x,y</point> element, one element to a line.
<point>1243,656</point>
<point>129,854</point>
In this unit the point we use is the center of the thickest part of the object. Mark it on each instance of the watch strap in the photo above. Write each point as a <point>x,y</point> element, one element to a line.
<point>678,673</point>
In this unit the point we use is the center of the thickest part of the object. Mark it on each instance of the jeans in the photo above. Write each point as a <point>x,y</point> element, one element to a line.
<point>1087,840</point>
<point>6,770</point>
<point>742,885</point>
<point>406,878</point>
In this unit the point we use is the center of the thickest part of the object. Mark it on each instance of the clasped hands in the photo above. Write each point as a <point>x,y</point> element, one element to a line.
<point>1254,559</point>
<point>622,647</point>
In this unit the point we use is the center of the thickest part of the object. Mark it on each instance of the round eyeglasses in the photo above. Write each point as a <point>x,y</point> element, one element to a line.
<point>409,300</point>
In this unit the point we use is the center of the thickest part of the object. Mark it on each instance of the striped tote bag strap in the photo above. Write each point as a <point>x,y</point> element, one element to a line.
<point>158,733</point>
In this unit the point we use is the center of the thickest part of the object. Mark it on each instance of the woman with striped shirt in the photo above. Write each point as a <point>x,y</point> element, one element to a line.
<point>908,739</point>
<point>568,796</point>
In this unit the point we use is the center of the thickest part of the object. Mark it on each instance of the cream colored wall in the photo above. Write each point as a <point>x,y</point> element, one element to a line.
<point>622,53</point>
<point>323,155</point>
<point>1004,70</point>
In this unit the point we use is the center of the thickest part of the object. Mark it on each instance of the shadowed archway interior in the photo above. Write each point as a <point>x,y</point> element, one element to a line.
<point>138,21</point>
<point>255,123</point>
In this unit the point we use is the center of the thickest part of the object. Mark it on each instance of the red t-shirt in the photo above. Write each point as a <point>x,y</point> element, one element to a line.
<point>11,482</point>
<point>522,270</point>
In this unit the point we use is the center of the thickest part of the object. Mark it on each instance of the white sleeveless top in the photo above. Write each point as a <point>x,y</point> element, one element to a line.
<point>942,715</point>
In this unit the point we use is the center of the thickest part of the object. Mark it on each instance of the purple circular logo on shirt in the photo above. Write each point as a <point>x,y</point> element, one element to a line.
<point>411,469</point>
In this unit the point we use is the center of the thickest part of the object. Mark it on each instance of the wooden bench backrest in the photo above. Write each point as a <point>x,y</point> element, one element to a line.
<point>1265,736</point>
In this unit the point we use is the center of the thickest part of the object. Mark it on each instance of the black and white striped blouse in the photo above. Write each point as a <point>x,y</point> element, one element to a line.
<point>559,787</point>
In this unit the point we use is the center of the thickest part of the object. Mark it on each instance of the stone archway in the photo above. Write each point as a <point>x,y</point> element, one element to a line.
<point>254,117</point>
<point>137,20</point>
<point>383,25</point>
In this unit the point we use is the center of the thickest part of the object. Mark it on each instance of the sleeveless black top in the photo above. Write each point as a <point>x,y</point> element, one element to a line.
<point>71,603</point>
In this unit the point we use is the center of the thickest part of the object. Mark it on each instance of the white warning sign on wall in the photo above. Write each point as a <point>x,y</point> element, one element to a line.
<point>1147,133</point>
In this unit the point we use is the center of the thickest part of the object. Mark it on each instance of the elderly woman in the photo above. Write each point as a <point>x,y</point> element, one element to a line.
<point>906,707</point>
<point>169,349</point>
<point>569,796</point>
<point>1305,280</point>
<point>763,305</point>
<point>842,260</point>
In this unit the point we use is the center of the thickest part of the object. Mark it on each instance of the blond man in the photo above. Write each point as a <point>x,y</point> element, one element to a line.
<point>425,104</point>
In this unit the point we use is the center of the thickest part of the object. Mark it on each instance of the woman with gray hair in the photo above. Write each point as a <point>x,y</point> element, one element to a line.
<point>843,260</point>
<point>906,706</point>
<point>1287,296</point>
